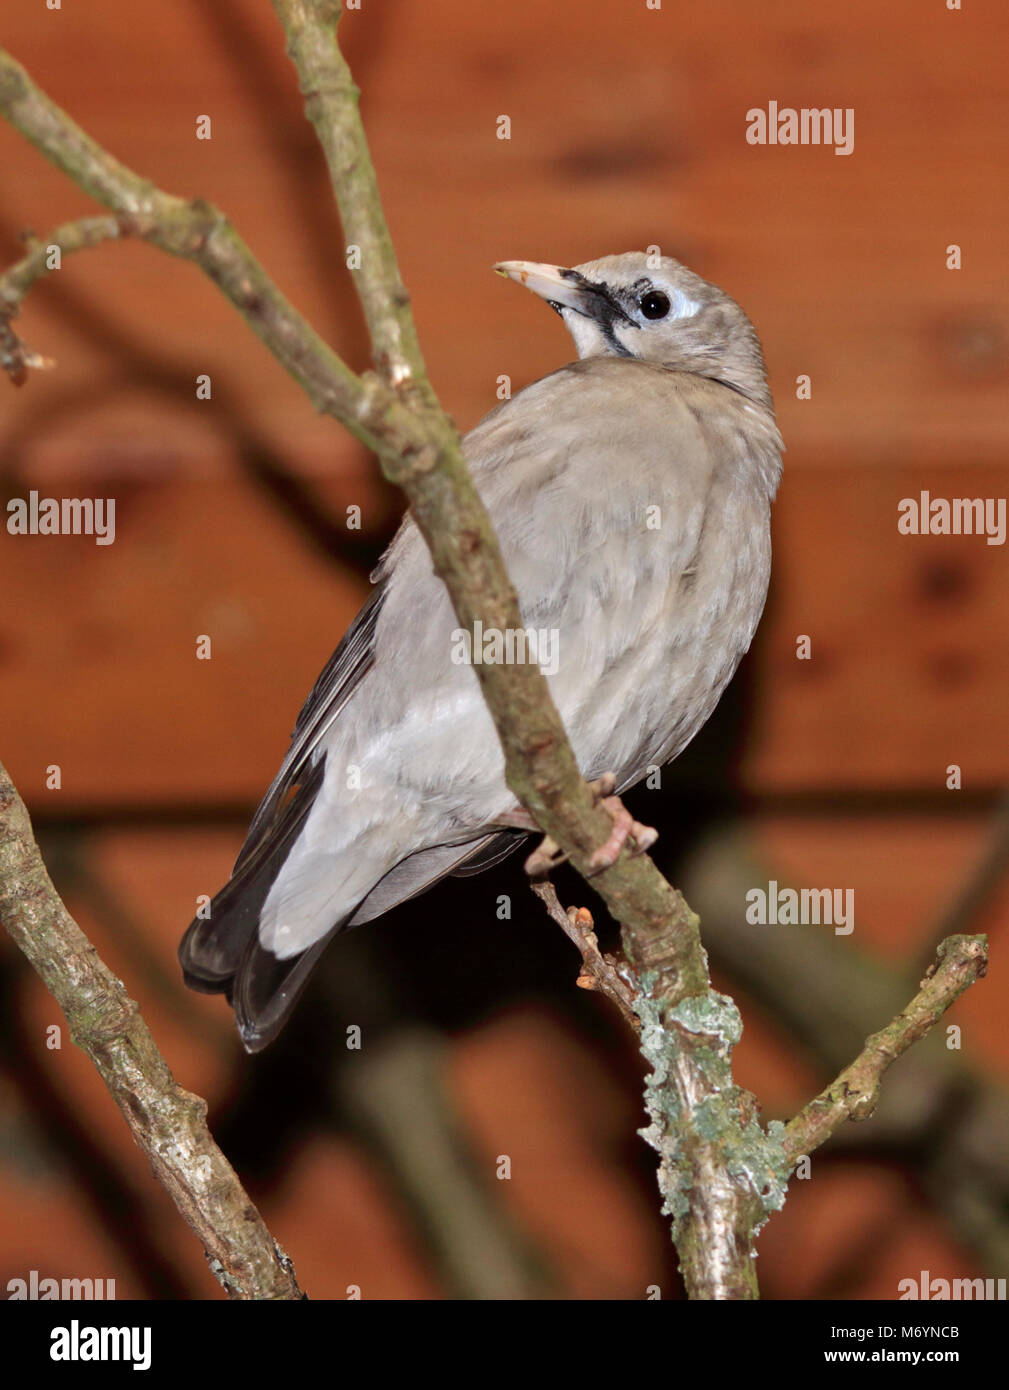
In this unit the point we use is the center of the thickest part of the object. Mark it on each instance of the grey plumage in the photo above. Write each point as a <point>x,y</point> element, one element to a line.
<point>630,492</point>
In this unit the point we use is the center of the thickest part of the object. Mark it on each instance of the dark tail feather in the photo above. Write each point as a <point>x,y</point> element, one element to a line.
<point>220,953</point>
<point>266,989</point>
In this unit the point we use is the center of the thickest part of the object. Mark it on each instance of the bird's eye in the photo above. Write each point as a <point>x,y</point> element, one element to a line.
<point>654,304</point>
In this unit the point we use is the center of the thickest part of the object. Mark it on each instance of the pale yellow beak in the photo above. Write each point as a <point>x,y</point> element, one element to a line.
<point>554,283</point>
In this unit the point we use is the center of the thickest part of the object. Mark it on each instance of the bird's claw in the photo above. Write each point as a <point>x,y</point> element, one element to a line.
<point>603,787</point>
<point>546,856</point>
<point>625,828</point>
<point>644,836</point>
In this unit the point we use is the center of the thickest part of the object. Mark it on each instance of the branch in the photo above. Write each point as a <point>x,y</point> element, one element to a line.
<point>704,1129</point>
<point>539,763</point>
<point>331,104</point>
<point>853,1096</point>
<point>168,1123</point>
<point>15,355</point>
<point>195,231</point>
<point>828,1001</point>
<point>420,452</point>
<point>72,236</point>
<point>599,972</point>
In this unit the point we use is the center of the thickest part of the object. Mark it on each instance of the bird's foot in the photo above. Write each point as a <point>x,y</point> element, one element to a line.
<point>603,786</point>
<point>546,856</point>
<point>625,828</point>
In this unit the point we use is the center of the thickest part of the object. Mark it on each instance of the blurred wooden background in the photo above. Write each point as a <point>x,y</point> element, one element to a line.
<point>627,129</point>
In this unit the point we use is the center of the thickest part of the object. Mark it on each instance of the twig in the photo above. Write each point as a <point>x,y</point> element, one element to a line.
<point>196,231</point>
<point>599,972</point>
<point>948,1113</point>
<point>853,1096</point>
<point>660,934</point>
<point>71,236</point>
<point>419,449</point>
<point>168,1123</point>
<point>16,357</point>
<point>331,104</point>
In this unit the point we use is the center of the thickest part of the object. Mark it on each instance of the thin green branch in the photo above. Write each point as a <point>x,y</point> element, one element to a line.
<point>16,357</point>
<point>960,961</point>
<point>18,279</point>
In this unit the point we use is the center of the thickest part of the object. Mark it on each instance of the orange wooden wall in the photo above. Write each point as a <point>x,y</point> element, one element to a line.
<point>627,129</point>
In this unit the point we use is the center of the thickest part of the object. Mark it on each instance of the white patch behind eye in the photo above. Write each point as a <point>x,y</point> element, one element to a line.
<point>683,307</point>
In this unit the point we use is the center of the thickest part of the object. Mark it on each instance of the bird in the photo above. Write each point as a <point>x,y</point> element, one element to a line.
<point>630,492</point>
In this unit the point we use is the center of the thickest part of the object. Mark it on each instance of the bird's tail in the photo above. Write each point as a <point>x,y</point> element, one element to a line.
<point>221,952</point>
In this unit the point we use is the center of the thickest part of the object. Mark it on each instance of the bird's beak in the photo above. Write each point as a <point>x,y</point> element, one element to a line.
<point>560,287</point>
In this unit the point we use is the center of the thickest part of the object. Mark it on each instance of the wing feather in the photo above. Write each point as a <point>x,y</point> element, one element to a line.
<point>337,681</point>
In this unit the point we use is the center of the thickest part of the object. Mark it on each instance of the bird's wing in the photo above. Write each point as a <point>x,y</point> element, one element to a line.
<point>220,951</point>
<point>337,681</point>
<point>420,871</point>
<point>218,938</point>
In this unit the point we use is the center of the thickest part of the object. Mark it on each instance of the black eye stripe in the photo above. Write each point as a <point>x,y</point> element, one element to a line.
<point>609,305</point>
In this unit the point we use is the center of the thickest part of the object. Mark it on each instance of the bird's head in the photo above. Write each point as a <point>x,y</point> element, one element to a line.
<point>653,309</point>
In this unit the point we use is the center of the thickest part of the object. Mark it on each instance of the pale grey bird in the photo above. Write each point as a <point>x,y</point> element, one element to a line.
<point>630,492</point>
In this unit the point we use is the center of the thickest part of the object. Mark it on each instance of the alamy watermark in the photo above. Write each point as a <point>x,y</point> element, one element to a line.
<point>44,1287</point>
<point>63,516</point>
<point>802,907</point>
<point>926,515</point>
<point>929,1288</point>
<point>77,1343</point>
<point>521,646</point>
<point>809,125</point>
